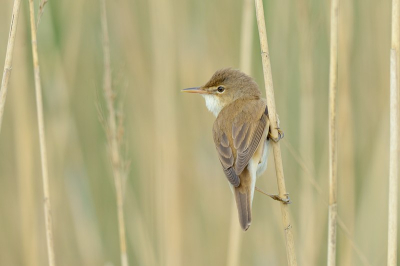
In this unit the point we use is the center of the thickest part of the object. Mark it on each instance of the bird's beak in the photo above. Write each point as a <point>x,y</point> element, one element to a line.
<point>195,90</point>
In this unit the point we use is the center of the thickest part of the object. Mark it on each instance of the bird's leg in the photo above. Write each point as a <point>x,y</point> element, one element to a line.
<point>276,197</point>
<point>280,135</point>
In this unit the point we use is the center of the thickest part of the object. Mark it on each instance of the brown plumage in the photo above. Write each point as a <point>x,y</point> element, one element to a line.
<point>239,132</point>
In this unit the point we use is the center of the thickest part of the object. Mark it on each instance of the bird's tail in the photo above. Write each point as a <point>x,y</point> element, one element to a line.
<point>243,202</point>
<point>244,197</point>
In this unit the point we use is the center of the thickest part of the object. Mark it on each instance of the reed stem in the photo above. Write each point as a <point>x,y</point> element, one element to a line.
<point>42,139</point>
<point>246,42</point>
<point>311,178</point>
<point>394,135</point>
<point>308,229</point>
<point>112,131</point>
<point>167,180</point>
<point>9,56</point>
<point>332,220</point>
<point>290,251</point>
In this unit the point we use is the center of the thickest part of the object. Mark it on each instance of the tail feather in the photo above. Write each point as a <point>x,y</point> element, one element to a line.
<point>243,202</point>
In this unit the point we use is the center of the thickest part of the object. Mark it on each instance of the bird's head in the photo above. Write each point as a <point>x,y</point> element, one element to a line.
<point>226,86</point>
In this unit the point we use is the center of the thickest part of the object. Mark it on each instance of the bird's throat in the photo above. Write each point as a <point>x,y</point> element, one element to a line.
<point>213,104</point>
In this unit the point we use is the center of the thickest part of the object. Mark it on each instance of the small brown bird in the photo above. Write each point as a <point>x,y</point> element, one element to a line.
<point>241,132</point>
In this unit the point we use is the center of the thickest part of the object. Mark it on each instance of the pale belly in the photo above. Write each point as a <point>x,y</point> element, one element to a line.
<point>262,165</point>
<point>258,165</point>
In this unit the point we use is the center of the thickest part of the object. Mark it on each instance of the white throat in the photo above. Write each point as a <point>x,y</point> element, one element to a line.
<point>213,104</point>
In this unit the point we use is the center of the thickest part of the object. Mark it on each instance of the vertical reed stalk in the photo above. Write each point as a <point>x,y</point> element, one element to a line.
<point>9,56</point>
<point>394,134</point>
<point>310,176</point>
<point>23,121</point>
<point>113,136</point>
<point>332,221</point>
<point>246,41</point>
<point>235,237</point>
<point>245,65</point>
<point>345,126</point>
<point>290,252</point>
<point>308,229</point>
<point>166,143</point>
<point>42,139</point>
<point>140,238</point>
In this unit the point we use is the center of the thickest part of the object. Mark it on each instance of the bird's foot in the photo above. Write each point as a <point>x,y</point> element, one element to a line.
<point>280,135</point>
<point>276,197</point>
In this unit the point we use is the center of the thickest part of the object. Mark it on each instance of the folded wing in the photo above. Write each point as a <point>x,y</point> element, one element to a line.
<point>237,140</point>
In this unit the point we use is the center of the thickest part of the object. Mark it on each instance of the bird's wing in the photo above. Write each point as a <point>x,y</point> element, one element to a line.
<point>226,157</point>
<point>247,131</point>
<point>237,140</point>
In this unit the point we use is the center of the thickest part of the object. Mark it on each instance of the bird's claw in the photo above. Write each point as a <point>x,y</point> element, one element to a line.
<point>280,135</point>
<point>276,197</point>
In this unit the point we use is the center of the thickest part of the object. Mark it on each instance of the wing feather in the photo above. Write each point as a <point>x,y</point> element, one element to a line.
<point>227,159</point>
<point>245,152</point>
<point>225,156</point>
<point>233,178</point>
<point>237,141</point>
<point>241,137</point>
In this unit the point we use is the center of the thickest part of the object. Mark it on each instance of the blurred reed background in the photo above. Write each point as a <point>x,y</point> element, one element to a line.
<point>177,201</point>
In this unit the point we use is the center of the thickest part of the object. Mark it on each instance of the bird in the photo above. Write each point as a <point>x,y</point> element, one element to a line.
<point>241,133</point>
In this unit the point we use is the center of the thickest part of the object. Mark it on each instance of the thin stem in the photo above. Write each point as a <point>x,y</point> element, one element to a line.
<point>167,179</point>
<point>112,134</point>
<point>332,222</point>
<point>308,229</point>
<point>25,161</point>
<point>9,56</point>
<point>246,34</point>
<point>290,252</point>
<point>310,176</point>
<point>345,127</point>
<point>245,65</point>
<point>42,139</point>
<point>394,134</point>
<point>234,238</point>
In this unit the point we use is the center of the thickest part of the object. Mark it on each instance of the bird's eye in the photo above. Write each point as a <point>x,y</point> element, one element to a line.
<point>220,89</point>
